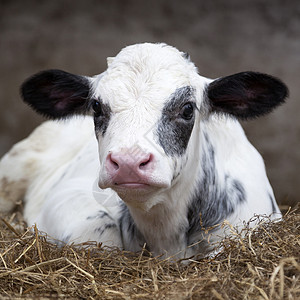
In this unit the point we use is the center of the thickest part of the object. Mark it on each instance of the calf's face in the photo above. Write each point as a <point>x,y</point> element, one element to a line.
<point>144,110</point>
<point>147,108</point>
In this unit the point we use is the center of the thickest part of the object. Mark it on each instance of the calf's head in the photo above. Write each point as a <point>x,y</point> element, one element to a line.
<point>147,107</point>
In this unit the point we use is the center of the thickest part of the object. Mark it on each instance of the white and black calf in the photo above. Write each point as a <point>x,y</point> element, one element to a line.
<point>169,160</point>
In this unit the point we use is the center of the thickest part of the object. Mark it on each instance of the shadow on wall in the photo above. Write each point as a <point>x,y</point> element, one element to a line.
<point>222,37</point>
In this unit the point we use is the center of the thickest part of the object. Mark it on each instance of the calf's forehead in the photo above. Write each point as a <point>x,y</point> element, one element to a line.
<point>143,76</point>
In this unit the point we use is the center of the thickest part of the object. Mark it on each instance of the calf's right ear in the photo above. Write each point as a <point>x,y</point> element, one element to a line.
<point>57,94</point>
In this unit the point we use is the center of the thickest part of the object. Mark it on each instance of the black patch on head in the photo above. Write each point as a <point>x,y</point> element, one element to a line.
<point>102,117</point>
<point>186,56</point>
<point>213,203</point>
<point>174,129</point>
<point>246,95</point>
<point>57,94</point>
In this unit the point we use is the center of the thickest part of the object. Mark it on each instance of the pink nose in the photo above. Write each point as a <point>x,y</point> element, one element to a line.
<point>128,167</point>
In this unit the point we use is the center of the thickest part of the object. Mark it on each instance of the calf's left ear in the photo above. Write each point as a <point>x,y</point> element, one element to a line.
<point>246,95</point>
<point>57,94</point>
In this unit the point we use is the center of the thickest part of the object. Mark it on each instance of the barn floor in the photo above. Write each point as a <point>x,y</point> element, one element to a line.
<point>265,264</point>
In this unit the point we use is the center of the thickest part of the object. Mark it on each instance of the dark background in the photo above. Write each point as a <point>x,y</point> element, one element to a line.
<point>222,37</point>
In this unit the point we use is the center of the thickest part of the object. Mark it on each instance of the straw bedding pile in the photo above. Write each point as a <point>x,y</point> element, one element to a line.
<point>263,264</point>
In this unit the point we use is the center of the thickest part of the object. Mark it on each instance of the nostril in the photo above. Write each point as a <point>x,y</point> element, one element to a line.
<point>113,162</point>
<point>146,161</point>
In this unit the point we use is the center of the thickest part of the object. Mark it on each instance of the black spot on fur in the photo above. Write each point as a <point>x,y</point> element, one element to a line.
<point>101,121</point>
<point>246,95</point>
<point>99,215</point>
<point>126,222</point>
<point>128,229</point>
<point>66,239</point>
<point>186,56</point>
<point>100,230</point>
<point>211,202</point>
<point>173,131</point>
<point>274,210</point>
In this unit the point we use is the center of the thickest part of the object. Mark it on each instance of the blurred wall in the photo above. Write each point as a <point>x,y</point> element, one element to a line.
<point>222,37</point>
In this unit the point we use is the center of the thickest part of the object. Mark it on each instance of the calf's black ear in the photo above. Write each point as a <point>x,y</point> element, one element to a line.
<point>246,95</point>
<point>57,94</point>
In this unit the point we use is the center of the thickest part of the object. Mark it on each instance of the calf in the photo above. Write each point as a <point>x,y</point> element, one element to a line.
<point>169,161</point>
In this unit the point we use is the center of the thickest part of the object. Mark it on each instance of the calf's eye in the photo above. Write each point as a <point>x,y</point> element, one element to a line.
<point>187,111</point>
<point>97,108</point>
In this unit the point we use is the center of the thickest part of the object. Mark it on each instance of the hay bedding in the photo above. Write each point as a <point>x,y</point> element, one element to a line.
<point>265,264</point>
